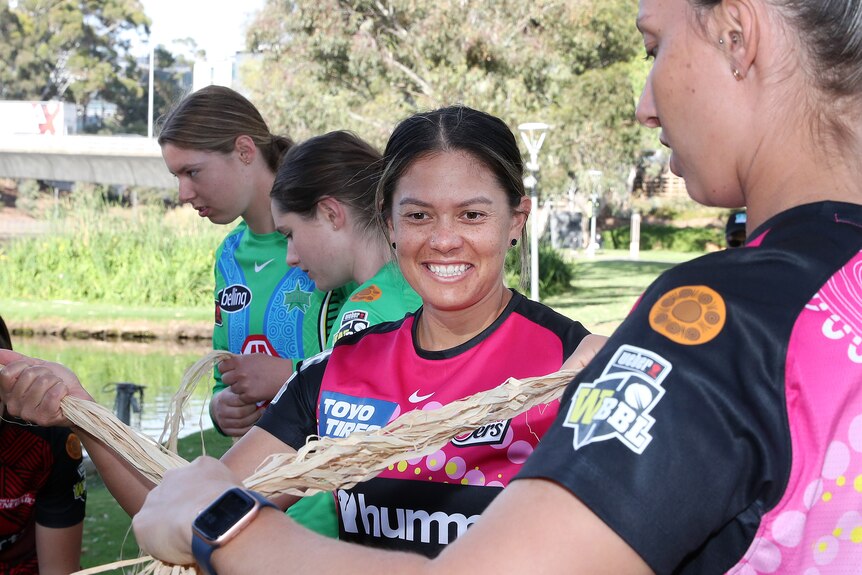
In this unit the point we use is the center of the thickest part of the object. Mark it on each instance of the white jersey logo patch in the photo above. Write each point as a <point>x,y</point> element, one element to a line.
<point>619,402</point>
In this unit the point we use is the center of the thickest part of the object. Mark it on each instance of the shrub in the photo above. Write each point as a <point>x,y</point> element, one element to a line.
<point>555,273</point>
<point>146,256</point>
<point>658,237</point>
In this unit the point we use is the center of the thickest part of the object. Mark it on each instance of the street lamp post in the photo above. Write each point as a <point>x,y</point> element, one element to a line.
<point>151,83</point>
<point>595,178</point>
<point>533,134</point>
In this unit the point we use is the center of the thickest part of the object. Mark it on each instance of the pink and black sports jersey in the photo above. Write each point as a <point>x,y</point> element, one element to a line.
<point>369,379</point>
<point>720,428</point>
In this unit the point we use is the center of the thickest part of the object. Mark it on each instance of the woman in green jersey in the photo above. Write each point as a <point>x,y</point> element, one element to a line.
<point>323,203</point>
<point>268,313</point>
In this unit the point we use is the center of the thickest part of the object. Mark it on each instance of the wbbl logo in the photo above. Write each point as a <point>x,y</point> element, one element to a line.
<point>234,298</point>
<point>619,402</point>
<point>352,322</point>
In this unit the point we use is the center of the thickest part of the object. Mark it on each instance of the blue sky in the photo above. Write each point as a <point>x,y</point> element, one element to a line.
<point>216,25</point>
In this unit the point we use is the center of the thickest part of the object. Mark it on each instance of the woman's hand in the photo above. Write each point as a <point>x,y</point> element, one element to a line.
<point>163,525</point>
<point>586,351</point>
<point>233,415</point>
<point>256,377</point>
<point>32,388</point>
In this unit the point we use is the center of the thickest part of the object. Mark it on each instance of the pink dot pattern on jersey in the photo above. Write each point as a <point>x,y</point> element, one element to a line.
<point>816,529</point>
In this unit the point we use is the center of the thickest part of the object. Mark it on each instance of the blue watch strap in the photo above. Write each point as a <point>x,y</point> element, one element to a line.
<point>202,549</point>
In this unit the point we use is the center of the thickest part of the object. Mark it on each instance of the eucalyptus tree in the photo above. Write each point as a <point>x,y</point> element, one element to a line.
<point>365,64</point>
<point>70,50</point>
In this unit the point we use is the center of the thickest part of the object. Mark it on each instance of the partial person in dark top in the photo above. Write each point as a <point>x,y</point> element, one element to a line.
<point>42,495</point>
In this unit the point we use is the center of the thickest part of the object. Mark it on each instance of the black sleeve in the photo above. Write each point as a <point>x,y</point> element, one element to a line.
<point>669,442</point>
<point>570,332</point>
<point>572,338</point>
<point>62,500</point>
<point>292,414</point>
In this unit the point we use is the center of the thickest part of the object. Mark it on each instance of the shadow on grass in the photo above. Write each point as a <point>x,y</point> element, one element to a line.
<point>606,282</point>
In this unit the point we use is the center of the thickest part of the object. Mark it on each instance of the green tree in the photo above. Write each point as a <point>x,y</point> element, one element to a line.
<point>70,50</point>
<point>363,65</point>
<point>130,92</point>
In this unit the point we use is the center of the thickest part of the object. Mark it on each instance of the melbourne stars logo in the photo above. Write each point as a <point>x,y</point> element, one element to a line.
<point>297,299</point>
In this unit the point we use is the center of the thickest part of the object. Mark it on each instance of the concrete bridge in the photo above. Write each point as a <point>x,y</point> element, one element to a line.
<point>119,160</point>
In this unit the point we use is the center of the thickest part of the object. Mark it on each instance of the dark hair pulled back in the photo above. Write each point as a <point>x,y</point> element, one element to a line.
<point>456,129</point>
<point>339,165</point>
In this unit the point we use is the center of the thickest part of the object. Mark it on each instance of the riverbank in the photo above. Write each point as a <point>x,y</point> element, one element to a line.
<point>109,329</point>
<point>106,322</point>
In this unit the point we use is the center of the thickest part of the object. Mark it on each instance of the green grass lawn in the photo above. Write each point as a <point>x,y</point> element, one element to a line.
<point>606,287</point>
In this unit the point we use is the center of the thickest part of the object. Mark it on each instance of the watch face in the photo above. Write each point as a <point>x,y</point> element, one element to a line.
<point>223,514</point>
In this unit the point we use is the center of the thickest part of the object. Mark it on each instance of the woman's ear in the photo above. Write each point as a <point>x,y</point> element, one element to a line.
<point>332,212</point>
<point>245,149</point>
<point>738,34</point>
<point>520,214</point>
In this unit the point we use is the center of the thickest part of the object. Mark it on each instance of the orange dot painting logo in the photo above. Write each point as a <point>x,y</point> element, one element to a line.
<point>371,293</point>
<point>689,315</point>
<point>73,446</point>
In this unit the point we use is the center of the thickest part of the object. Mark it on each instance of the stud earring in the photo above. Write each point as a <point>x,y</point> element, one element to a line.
<point>737,75</point>
<point>514,242</point>
<point>721,40</point>
<point>393,245</point>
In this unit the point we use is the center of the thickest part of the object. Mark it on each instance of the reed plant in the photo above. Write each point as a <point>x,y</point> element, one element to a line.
<point>98,252</point>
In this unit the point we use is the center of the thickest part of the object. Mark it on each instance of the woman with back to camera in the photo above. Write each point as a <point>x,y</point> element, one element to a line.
<point>728,434</point>
<point>224,157</point>
<point>453,199</point>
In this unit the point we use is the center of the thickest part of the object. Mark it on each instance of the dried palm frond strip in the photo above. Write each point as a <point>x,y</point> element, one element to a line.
<point>326,464</point>
<point>143,453</point>
<point>201,369</point>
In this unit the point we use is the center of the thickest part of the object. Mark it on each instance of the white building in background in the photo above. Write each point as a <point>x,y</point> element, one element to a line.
<point>52,118</point>
<point>225,72</point>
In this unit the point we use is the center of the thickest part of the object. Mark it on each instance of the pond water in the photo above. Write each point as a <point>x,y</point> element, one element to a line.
<point>157,366</point>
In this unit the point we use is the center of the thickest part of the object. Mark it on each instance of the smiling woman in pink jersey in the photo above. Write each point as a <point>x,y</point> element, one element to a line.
<point>719,430</point>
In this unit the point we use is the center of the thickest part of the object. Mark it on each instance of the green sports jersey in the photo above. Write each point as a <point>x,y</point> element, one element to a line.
<point>385,297</point>
<point>262,305</point>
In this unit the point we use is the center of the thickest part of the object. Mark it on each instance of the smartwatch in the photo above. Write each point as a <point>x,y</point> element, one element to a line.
<point>222,521</point>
